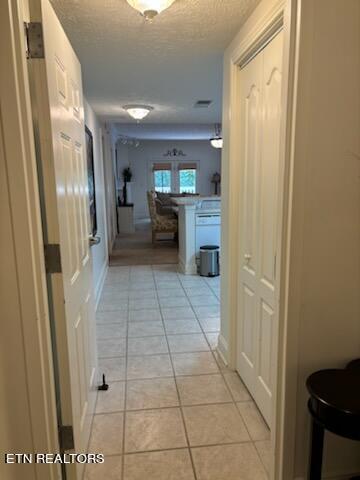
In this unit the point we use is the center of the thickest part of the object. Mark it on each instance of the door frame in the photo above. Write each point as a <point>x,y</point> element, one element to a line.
<point>255,33</point>
<point>28,241</point>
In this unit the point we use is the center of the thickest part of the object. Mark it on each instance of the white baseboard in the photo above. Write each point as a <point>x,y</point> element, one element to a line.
<point>187,269</point>
<point>223,349</point>
<point>100,284</point>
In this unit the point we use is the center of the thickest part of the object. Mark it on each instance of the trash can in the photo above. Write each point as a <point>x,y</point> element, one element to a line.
<point>209,261</point>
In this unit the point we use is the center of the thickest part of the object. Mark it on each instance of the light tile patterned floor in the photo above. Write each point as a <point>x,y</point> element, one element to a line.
<point>173,410</point>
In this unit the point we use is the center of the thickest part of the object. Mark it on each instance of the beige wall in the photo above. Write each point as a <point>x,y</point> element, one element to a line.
<point>323,316</point>
<point>326,206</point>
<point>27,405</point>
<point>15,431</point>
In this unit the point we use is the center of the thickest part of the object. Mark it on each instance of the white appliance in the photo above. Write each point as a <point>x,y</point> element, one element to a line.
<point>207,230</point>
<point>209,204</point>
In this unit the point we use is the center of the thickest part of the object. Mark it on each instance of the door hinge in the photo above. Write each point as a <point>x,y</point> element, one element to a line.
<point>34,40</point>
<point>66,437</point>
<point>52,258</point>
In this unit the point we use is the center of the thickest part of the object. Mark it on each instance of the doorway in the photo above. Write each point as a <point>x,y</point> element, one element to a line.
<point>191,289</point>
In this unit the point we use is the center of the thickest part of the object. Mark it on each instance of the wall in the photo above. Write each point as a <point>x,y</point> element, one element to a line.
<point>100,251</point>
<point>141,158</point>
<point>122,161</point>
<point>27,404</point>
<point>108,149</point>
<point>15,415</point>
<point>325,247</point>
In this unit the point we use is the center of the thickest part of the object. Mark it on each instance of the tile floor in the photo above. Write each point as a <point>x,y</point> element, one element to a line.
<point>173,411</point>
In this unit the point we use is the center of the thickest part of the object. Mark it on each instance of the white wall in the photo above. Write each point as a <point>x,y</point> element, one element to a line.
<point>141,158</point>
<point>122,161</point>
<point>108,148</point>
<point>99,252</point>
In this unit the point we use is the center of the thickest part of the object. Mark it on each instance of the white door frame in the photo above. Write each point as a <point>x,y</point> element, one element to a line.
<point>27,231</point>
<point>254,34</point>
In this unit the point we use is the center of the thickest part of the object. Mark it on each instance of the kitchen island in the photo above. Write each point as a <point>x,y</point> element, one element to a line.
<point>199,225</point>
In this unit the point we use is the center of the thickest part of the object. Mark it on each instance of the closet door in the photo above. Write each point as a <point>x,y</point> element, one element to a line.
<point>250,138</point>
<point>260,139</point>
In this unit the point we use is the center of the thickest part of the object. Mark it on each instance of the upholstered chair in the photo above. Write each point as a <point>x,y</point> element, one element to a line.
<point>160,223</point>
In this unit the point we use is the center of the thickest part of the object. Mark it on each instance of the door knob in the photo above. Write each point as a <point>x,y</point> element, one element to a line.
<point>93,240</point>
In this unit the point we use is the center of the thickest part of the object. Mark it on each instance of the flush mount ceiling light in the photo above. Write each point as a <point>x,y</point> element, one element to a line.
<point>217,141</point>
<point>150,8</point>
<point>138,112</point>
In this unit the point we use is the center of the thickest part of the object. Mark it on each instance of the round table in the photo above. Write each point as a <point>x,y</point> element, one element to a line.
<point>334,405</point>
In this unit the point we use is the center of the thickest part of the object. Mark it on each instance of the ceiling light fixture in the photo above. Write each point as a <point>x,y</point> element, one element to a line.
<point>150,8</point>
<point>138,112</point>
<point>217,141</point>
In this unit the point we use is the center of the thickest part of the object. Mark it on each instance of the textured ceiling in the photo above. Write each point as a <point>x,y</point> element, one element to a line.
<point>169,64</point>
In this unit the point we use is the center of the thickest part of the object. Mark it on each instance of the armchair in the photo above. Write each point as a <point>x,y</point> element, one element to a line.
<point>160,223</point>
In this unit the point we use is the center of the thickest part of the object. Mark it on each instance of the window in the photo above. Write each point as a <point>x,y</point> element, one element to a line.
<point>187,178</point>
<point>162,181</point>
<point>162,177</point>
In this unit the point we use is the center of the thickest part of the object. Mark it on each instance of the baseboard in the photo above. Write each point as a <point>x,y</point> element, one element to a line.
<point>100,284</point>
<point>343,476</point>
<point>223,349</point>
<point>187,269</point>
<point>332,476</point>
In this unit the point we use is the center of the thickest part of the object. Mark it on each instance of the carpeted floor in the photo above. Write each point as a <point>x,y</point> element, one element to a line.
<point>137,248</point>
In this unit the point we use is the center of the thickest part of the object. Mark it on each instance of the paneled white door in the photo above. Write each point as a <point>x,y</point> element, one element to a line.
<point>260,97</point>
<point>58,99</point>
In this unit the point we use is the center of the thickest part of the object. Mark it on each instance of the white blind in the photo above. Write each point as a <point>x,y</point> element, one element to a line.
<point>187,166</point>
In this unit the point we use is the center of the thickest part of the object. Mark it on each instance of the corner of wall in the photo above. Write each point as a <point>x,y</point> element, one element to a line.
<point>223,349</point>
<point>100,284</point>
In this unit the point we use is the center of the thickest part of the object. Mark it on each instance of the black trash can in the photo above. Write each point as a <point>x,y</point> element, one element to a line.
<point>209,261</point>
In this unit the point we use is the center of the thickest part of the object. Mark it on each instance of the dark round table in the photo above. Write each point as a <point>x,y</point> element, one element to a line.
<point>334,405</point>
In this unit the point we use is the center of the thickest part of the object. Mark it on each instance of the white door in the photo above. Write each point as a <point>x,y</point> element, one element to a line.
<point>260,97</point>
<point>58,100</point>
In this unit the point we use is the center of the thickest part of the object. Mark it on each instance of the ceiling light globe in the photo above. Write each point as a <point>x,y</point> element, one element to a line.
<point>217,142</point>
<point>138,112</point>
<point>150,8</point>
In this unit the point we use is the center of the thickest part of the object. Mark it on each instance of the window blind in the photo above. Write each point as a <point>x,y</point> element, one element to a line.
<point>161,166</point>
<point>187,166</point>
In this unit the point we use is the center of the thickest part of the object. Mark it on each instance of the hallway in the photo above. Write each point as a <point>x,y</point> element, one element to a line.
<point>173,410</point>
<point>137,248</point>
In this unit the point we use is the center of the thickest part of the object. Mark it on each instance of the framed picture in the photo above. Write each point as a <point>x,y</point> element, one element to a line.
<point>91,179</point>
